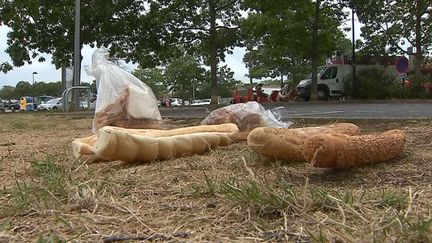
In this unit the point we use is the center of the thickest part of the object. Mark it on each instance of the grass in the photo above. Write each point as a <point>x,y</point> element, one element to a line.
<point>230,194</point>
<point>26,125</point>
<point>347,214</point>
<point>47,188</point>
<point>51,238</point>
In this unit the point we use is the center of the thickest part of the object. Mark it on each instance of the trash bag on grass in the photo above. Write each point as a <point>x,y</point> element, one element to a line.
<point>122,99</point>
<point>246,116</point>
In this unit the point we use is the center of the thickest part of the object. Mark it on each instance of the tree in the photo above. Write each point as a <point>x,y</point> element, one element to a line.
<point>226,83</point>
<point>256,68</point>
<point>208,28</point>
<point>153,77</point>
<point>285,35</point>
<point>51,89</point>
<point>152,33</point>
<point>23,88</point>
<point>7,92</point>
<point>182,74</point>
<point>47,27</point>
<point>389,25</point>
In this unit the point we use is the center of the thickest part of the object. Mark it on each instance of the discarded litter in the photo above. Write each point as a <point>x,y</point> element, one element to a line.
<point>122,99</point>
<point>246,116</point>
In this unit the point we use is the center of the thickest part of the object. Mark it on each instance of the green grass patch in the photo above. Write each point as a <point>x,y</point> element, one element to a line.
<point>28,125</point>
<point>19,125</point>
<point>51,238</point>
<point>56,184</point>
<point>384,208</point>
<point>47,189</point>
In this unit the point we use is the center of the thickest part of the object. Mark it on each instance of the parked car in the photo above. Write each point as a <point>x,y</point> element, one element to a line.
<point>14,106</point>
<point>195,102</point>
<point>2,105</point>
<point>52,104</point>
<point>176,102</point>
<point>226,101</point>
<point>201,102</point>
<point>85,105</point>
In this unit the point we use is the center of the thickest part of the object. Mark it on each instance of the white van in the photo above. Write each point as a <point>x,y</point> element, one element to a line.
<point>332,77</point>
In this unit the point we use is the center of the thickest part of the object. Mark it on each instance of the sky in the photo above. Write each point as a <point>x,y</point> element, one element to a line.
<point>47,72</point>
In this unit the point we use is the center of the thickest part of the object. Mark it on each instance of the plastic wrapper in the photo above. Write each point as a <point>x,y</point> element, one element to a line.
<point>246,116</point>
<point>122,99</point>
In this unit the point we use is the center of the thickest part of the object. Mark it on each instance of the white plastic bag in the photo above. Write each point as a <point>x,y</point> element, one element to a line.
<point>246,116</point>
<point>122,99</point>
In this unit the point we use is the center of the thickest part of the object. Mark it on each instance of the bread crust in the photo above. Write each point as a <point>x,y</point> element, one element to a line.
<point>342,151</point>
<point>115,143</point>
<point>287,143</point>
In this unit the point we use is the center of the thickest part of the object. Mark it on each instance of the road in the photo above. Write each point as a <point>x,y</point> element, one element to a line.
<point>329,110</point>
<point>359,110</point>
<point>351,110</point>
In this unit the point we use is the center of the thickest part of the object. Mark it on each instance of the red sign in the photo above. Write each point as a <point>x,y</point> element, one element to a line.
<point>402,65</point>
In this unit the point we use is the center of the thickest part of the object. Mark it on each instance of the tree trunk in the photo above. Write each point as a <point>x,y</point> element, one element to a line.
<point>418,41</point>
<point>213,52</point>
<point>282,83</point>
<point>313,88</point>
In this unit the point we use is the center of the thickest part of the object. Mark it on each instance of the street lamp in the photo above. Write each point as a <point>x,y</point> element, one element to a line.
<point>33,89</point>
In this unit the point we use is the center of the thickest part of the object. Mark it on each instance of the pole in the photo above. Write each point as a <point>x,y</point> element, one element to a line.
<point>33,88</point>
<point>77,52</point>
<point>193,91</point>
<point>353,53</point>
<point>63,78</point>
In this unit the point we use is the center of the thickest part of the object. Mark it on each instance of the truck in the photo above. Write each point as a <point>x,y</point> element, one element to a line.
<point>333,78</point>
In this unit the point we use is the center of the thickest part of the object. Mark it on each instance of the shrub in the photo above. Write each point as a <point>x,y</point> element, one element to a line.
<point>372,83</point>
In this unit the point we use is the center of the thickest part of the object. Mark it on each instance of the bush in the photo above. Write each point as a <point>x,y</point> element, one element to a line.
<point>416,89</point>
<point>374,84</point>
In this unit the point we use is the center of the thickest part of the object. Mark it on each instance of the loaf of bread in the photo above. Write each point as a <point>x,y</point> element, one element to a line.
<point>286,143</point>
<point>132,108</point>
<point>115,143</point>
<point>247,116</point>
<point>341,151</point>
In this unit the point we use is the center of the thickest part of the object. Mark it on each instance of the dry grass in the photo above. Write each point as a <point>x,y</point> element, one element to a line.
<point>227,195</point>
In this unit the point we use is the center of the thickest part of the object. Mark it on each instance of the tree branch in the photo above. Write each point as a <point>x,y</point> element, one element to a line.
<point>228,5</point>
<point>424,11</point>
<point>392,40</point>
<point>410,41</point>
<point>194,28</point>
<point>228,28</point>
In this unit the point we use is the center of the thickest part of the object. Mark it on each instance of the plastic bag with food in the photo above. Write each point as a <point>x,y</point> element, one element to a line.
<point>246,116</point>
<point>122,99</point>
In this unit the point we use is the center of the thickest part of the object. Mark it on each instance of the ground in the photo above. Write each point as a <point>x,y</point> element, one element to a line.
<point>229,194</point>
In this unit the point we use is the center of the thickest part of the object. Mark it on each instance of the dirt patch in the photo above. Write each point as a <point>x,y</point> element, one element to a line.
<point>229,194</point>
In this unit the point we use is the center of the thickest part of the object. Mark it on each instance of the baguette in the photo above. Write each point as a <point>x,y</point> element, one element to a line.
<point>115,143</point>
<point>341,151</point>
<point>286,143</point>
